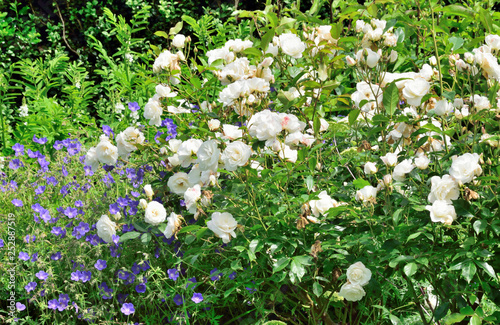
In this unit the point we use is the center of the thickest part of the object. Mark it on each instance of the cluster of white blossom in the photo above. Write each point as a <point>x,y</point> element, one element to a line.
<point>357,277</point>
<point>445,189</point>
<point>107,153</point>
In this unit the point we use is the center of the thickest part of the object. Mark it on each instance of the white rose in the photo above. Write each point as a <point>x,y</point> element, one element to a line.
<point>178,183</point>
<point>155,213</point>
<point>480,102</point>
<point>493,41</point>
<point>415,90</point>
<point>291,45</point>
<point>422,162</point>
<point>442,211</point>
<point>390,40</point>
<point>433,60</point>
<point>223,225</point>
<point>187,151</point>
<point>370,168</point>
<point>127,141</point>
<point>106,152</point>
<point>265,125</point>
<point>179,41</point>
<point>357,273</point>
<point>173,224</point>
<point>291,123</point>
<point>164,91</point>
<point>237,45</point>
<point>443,189</point>
<point>322,205</point>
<point>390,159</point>
<point>174,144</point>
<point>143,203</point>
<point>236,154</point>
<point>352,292</point>
<point>367,194</point>
<point>465,168</point>
<point>149,191</point>
<point>213,124</point>
<point>378,23</point>
<point>402,169</point>
<point>91,159</point>
<point>208,155</point>
<point>232,132</point>
<point>288,154</point>
<point>360,25</point>
<point>106,229</point>
<point>371,58</point>
<point>153,111</point>
<point>393,56</point>
<point>443,107</point>
<point>350,61</point>
<point>192,195</point>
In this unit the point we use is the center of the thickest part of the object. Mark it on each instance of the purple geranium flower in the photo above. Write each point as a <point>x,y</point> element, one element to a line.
<point>15,164</point>
<point>133,106</point>
<point>40,189</point>
<point>42,275</point>
<point>56,256</point>
<point>127,309</point>
<point>100,265</point>
<point>215,277</point>
<point>17,203</point>
<point>24,256</point>
<point>39,141</point>
<point>107,130</point>
<point>173,274</point>
<point>140,288</point>
<point>178,300</point>
<point>20,306</point>
<point>197,298</point>
<point>30,286</point>
<point>19,149</point>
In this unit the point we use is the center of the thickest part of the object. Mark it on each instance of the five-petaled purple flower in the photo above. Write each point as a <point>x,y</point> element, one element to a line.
<point>197,298</point>
<point>127,308</point>
<point>100,265</point>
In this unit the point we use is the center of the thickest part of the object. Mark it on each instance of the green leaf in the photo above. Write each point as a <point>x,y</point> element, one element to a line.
<point>360,183</point>
<point>400,34</point>
<point>486,20</point>
<point>391,98</point>
<point>488,268</point>
<point>129,235</point>
<point>317,289</point>
<point>413,236</point>
<point>441,311</point>
<point>309,182</point>
<point>353,115</point>
<point>162,34</point>
<point>480,226</point>
<point>467,311</point>
<point>253,245</point>
<point>274,322</point>
<point>253,51</point>
<point>146,238</point>
<point>453,318</point>
<point>457,42</point>
<point>189,229</point>
<point>316,124</point>
<point>297,269</point>
<point>176,29</point>
<point>468,270</point>
<point>280,264</point>
<point>475,320</point>
<point>305,260</point>
<point>410,269</point>
<point>266,39</point>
